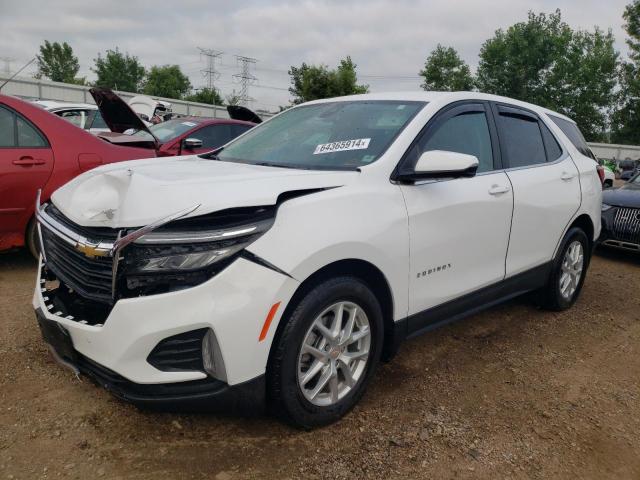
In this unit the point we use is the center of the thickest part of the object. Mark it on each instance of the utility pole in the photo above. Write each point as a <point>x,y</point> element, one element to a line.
<point>245,78</point>
<point>210,73</point>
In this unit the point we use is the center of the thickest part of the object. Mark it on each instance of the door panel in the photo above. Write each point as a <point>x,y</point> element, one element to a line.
<point>459,232</point>
<point>545,199</point>
<point>458,228</point>
<point>545,187</point>
<point>26,162</point>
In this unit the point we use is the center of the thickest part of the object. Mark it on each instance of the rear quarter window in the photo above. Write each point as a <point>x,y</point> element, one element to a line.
<point>574,135</point>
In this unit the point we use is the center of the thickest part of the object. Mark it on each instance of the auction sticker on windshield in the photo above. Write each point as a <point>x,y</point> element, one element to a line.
<point>342,146</point>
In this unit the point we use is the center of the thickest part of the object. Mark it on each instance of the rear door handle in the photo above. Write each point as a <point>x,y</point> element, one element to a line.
<point>566,176</point>
<point>26,161</point>
<point>498,189</point>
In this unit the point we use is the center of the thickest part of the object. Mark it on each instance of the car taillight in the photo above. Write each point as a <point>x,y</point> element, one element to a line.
<point>600,170</point>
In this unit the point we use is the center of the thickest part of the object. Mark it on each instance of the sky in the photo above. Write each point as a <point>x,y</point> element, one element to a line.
<point>388,40</point>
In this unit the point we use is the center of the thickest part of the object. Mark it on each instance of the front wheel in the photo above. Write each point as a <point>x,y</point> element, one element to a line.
<point>326,353</point>
<point>568,271</point>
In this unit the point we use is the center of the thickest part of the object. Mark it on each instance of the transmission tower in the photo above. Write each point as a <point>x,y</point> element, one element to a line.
<point>245,78</point>
<point>210,72</point>
<point>7,64</point>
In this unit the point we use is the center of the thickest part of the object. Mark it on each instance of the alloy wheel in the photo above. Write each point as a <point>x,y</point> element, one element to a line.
<point>334,353</point>
<point>571,269</point>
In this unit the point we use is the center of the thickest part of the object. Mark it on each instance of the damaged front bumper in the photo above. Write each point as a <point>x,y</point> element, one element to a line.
<point>116,354</point>
<point>207,394</point>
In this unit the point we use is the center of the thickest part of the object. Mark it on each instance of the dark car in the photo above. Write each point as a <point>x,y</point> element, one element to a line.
<point>629,174</point>
<point>185,135</point>
<point>621,216</point>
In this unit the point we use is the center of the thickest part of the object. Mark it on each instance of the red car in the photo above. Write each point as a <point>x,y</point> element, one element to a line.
<point>39,150</point>
<point>180,136</point>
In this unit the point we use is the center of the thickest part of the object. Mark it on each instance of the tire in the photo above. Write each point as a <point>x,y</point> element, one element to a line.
<point>608,183</point>
<point>557,295</point>
<point>287,397</point>
<point>31,239</point>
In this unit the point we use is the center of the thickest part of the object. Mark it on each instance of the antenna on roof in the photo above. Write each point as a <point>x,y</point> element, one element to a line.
<point>16,74</point>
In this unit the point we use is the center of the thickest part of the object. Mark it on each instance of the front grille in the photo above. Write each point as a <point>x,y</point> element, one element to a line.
<point>626,225</point>
<point>179,352</point>
<point>92,233</point>
<point>89,277</point>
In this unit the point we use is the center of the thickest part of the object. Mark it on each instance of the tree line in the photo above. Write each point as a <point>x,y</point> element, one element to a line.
<point>541,60</point>
<point>121,71</point>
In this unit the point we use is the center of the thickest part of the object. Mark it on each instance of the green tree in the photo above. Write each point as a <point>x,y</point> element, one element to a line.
<point>57,62</point>
<point>444,70</point>
<point>625,122</point>
<point>544,61</point>
<point>206,95</point>
<point>167,81</point>
<point>311,82</point>
<point>119,71</point>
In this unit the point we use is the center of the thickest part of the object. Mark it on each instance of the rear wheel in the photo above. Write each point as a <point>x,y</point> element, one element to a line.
<point>326,354</point>
<point>568,271</point>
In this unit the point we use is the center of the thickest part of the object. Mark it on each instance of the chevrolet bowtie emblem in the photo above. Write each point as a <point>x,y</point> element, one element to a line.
<point>91,250</point>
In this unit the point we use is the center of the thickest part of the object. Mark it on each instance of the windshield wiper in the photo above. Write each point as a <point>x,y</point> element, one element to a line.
<point>279,165</point>
<point>213,154</point>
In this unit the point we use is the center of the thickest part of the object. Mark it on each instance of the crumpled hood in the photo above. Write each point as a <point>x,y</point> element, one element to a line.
<point>138,192</point>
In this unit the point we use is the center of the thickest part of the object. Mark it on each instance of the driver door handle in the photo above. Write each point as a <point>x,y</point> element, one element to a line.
<point>498,189</point>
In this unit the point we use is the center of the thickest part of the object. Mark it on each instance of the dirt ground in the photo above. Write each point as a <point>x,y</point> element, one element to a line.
<point>514,392</point>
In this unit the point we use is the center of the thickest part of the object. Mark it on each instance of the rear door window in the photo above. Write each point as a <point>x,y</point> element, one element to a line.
<point>17,132</point>
<point>28,136</point>
<point>520,138</point>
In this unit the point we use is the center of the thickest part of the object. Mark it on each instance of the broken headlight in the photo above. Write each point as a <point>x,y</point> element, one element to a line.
<point>183,255</point>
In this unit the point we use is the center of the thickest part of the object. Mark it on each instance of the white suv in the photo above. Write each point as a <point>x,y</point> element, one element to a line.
<point>284,266</point>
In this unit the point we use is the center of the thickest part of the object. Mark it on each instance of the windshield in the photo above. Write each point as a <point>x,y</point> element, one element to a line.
<point>336,135</point>
<point>168,130</point>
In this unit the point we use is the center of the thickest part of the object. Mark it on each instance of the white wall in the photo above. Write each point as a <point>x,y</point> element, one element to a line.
<point>32,88</point>
<point>611,151</point>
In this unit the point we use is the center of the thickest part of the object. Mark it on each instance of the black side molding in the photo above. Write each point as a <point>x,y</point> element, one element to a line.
<point>474,302</point>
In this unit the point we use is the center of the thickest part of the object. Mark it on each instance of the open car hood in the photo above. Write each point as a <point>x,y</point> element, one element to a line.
<point>143,105</point>
<point>118,116</point>
<point>238,112</point>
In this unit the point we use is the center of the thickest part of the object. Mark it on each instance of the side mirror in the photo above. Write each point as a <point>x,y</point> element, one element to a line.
<point>192,143</point>
<point>443,164</point>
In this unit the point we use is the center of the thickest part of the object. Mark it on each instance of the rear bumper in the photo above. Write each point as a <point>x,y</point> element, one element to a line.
<point>207,394</point>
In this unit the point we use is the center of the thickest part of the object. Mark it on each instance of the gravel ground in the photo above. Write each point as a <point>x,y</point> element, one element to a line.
<point>514,392</point>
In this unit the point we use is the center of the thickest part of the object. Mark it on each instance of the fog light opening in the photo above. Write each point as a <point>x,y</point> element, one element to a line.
<point>211,356</point>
